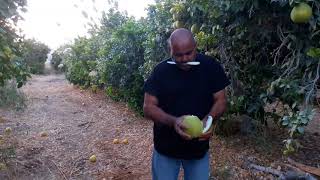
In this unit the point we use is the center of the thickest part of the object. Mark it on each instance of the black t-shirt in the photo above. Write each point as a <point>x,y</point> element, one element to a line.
<point>180,93</point>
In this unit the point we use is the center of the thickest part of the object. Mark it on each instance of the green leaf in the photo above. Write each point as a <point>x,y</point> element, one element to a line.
<point>314,52</point>
<point>300,130</point>
<point>294,105</point>
<point>285,123</point>
<point>304,121</point>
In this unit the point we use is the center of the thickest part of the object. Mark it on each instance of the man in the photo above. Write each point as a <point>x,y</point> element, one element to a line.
<point>176,89</point>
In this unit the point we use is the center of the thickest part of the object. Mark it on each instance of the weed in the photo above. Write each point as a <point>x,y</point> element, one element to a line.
<point>12,97</point>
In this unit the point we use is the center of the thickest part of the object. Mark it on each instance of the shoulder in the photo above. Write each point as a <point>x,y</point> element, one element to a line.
<point>161,66</point>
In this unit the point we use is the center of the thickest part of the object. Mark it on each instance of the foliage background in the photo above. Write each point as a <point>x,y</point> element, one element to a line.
<point>18,56</point>
<point>11,66</point>
<point>271,61</point>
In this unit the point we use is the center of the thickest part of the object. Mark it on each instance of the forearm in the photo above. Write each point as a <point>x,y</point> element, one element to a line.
<point>218,108</point>
<point>156,114</point>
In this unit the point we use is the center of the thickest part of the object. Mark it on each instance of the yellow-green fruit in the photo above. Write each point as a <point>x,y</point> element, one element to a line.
<point>44,134</point>
<point>194,126</point>
<point>195,28</point>
<point>116,141</point>
<point>125,141</point>
<point>178,24</point>
<point>301,13</point>
<point>93,158</point>
<point>94,88</point>
<point>3,167</point>
<point>8,130</point>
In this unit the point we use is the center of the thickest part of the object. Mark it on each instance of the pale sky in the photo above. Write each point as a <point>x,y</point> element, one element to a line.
<point>55,22</point>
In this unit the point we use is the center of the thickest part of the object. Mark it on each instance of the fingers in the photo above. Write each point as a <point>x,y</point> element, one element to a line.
<point>183,134</point>
<point>180,127</point>
<point>206,135</point>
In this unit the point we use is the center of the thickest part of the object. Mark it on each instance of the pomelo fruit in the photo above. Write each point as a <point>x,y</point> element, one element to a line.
<point>195,28</point>
<point>44,134</point>
<point>125,141</point>
<point>93,158</point>
<point>178,24</point>
<point>8,130</point>
<point>116,141</point>
<point>194,126</point>
<point>301,13</point>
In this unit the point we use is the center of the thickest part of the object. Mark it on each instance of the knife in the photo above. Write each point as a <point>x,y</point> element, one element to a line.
<point>193,63</point>
<point>208,124</point>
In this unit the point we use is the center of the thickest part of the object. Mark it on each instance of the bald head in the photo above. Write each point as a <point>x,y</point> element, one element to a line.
<point>181,36</point>
<point>182,47</point>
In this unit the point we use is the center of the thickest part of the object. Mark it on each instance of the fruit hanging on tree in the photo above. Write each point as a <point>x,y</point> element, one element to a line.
<point>301,13</point>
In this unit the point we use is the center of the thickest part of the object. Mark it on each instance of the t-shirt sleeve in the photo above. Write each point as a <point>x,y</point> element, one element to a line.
<point>219,79</point>
<point>151,86</point>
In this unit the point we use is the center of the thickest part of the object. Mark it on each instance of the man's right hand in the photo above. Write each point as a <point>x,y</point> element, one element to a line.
<point>180,127</point>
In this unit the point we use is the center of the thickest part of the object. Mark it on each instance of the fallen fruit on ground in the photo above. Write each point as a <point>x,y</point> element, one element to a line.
<point>43,134</point>
<point>125,141</point>
<point>3,167</point>
<point>93,158</point>
<point>8,130</point>
<point>94,88</point>
<point>301,13</point>
<point>116,141</point>
<point>194,126</point>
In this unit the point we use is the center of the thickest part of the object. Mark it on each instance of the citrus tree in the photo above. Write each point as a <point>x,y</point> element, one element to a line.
<point>11,65</point>
<point>159,27</point>
<point>79,60</point>
<point>34,55</point>
<point>270,50</point>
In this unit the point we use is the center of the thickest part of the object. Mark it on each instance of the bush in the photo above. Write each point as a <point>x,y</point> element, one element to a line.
<point>35,55</point>
<point>11,97</point>
<point>11,66</point>
<point>268,57</point>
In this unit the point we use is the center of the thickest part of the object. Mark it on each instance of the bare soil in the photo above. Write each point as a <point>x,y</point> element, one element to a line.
<point>80,123</point>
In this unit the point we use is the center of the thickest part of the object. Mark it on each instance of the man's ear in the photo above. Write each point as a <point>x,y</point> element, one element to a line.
<point>169,47</point>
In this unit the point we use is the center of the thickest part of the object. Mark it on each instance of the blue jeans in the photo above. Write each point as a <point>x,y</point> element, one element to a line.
<point>167,168</point>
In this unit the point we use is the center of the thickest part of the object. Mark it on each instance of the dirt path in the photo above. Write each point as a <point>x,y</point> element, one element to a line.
<point>80,124</point>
